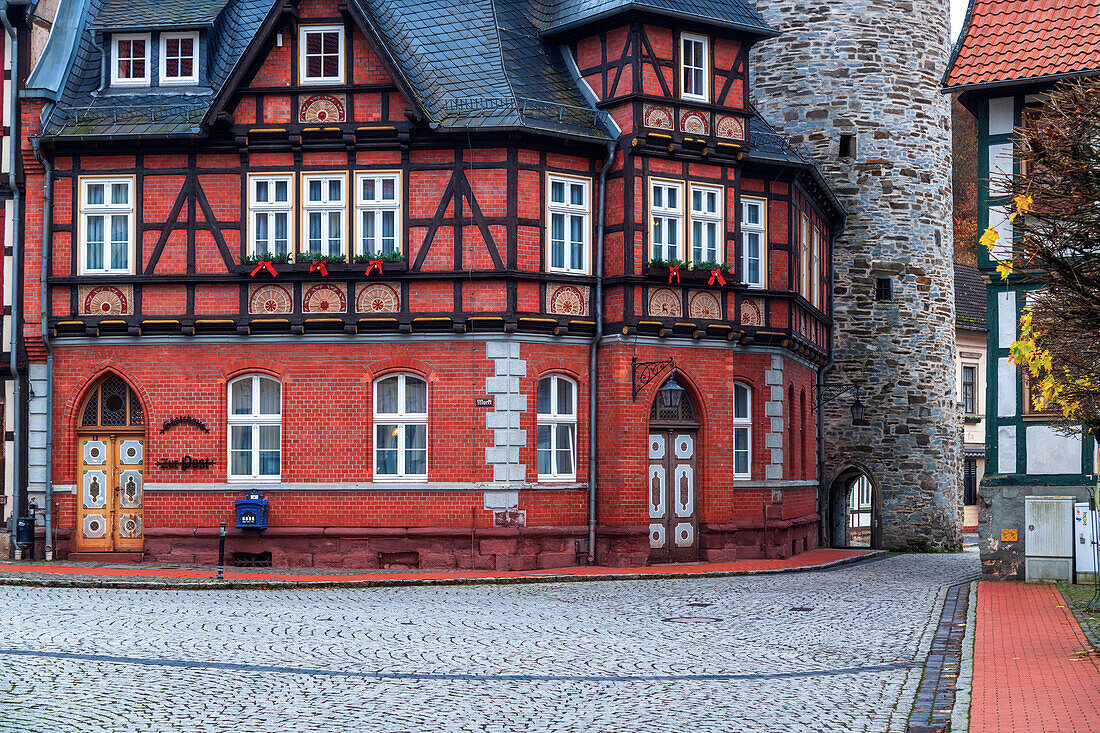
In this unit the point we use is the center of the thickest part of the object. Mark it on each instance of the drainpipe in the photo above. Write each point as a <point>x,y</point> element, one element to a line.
<point>102,64</point>
<point>47,235</point>
<point>592,351</point>
<point>822,489</point>
<point>16,275</point>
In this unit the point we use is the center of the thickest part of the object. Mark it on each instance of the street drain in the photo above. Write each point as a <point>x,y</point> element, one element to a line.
<point>693,619</point>
<point>802,609</point>
<point>700,604</point>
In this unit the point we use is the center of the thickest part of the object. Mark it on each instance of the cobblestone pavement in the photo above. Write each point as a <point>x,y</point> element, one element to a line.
<point>837,650</point>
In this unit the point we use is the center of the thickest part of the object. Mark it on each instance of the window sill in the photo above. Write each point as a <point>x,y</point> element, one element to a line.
<point>687,275</point>
<point>267,480</point>
<point>557,479</point>
<point>400,479</point>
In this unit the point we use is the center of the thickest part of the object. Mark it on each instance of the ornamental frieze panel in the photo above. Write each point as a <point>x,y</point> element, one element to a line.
<point>567,300</point>
<point>377,298</point>
<point>321,108</point>
<point>665,303</point>
<point>657,116</point>
<point>325,298</point>
<point>730,127</point>
<point>694,122</point>
<point>105,300</point>
<point>270,299</point>
<point>752,312</point>
<point>704,305</point>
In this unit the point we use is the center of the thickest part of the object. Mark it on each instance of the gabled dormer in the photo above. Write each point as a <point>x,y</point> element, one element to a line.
<point>155,45</point>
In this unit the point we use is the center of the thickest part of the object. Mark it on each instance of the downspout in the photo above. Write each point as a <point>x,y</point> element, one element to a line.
<point>102,64</point>
<point>593,349</point>
<point>15,321</point>
<point>822,489</point>
<point>47,236</point>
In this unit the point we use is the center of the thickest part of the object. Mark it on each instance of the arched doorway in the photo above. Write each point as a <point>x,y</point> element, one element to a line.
<point>854,510</point>
<point>673,452</point>
<point>110,460</point>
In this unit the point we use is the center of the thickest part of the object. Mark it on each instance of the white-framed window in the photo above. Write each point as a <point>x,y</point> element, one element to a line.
<point>742,431</point>
<point>804,255</point>
<point>568,210</point>
<point>324,212</point>
<point>106,225</point>
<point>255,422</point>
<point>321,54</point>
<point>131,59</point>
<point>694,67</point>
<point>815,268</point>
<point>179,58</point>
<point>707,230</point>
<point>556,408</point>
<point>379,209</point>
<point>754,242</point>
<point>666,208</point>
<point>401,428</point>
<point>270,215</point>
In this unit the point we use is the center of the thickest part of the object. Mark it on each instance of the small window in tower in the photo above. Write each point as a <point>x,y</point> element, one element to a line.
<point>884,288</point>
<point>847,146</point>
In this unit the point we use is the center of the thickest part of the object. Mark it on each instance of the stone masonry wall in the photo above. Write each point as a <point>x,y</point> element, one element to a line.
<point>871,68</point>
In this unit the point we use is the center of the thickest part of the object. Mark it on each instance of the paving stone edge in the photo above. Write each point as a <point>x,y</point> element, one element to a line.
<point>214,584</point>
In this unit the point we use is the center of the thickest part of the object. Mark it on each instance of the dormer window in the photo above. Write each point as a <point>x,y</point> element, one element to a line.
<point>321,54</point>
<point>131,60</point>
<point>694,67</point>
<point>179,58</point>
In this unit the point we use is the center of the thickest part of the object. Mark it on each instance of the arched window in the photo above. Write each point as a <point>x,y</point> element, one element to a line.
<point>401,427</point>
<point>742,431</point>
<point>112,404</point>
<point>556,405</point>
<point>255,428</point>
<point>792,430</point>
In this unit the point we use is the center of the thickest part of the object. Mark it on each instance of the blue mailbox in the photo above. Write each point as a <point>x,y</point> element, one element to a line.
<point>252,512</point>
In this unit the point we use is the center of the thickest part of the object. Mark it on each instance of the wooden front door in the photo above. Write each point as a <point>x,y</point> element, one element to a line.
<point>673,518</point>
<point>110,471</point>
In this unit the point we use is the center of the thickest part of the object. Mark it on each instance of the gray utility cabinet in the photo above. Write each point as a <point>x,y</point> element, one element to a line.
<point>1048,537</point>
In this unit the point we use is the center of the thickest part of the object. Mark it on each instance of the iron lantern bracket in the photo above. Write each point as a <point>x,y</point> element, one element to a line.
<point>644,372</point>
<point>823,394</point>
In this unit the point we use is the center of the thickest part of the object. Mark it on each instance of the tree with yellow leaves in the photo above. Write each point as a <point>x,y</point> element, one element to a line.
<point>1056,254</point>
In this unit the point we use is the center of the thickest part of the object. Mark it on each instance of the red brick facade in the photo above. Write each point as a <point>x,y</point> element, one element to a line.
<point>473,228</point>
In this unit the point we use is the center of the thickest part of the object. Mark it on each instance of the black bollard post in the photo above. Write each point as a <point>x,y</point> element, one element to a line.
<point>221,552</point>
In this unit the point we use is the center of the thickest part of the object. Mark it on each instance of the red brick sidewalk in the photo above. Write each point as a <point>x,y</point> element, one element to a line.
<point>1031,674</point>
<point>806,561</point>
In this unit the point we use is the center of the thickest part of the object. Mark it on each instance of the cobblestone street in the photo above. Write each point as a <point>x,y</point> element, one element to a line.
<point>837,650</point>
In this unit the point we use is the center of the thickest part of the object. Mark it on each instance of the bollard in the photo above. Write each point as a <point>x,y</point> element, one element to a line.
<point>221,552</point>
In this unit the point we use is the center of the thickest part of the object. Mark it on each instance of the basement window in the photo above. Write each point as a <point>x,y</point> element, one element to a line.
<point>884,288</point>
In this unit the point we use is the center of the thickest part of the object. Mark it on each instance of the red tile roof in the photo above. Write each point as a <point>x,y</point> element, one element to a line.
<point>1015,40</point>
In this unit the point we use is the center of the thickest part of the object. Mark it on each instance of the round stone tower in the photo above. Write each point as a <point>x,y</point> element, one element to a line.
<point>856,84</point>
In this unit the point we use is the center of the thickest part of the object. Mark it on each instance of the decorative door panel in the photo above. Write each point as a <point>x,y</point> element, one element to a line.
<point>110,493</point>
<point>129,494</point>
<point>673,528</point>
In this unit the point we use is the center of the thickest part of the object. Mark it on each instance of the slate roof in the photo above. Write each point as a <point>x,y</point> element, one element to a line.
<point>151,14</point>
<point>1006,41</point>
<point>970,303</point>
<point>737,14</point>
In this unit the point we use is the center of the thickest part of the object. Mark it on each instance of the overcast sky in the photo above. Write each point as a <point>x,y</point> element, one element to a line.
<point>958,13</point>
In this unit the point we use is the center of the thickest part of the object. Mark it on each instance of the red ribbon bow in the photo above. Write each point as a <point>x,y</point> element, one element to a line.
<point>372,264</point>
<point>716,275</point>
<point>264,265</point>
<point>319,265</point>
<point>674,270</point>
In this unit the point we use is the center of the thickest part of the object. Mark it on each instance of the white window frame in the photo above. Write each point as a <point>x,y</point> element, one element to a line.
<point>760,229</point>
<point>714,219</point>
<point>106,210</point>
<point>741,423</point>
<point>269,208</point>
<point>303,69</point>
<point>568,211</point>
<point>704,70</point>
<point>375,209</point>
<point>256,420</point>
<point>962,387</point>
<point>554,419</point>
<point>402,419</point>
<point>668,216</point>
<point>166,80</point>
<point>119,81</point>
<point>804,255</point>
<point>327,208</point>
<point>815,267</point>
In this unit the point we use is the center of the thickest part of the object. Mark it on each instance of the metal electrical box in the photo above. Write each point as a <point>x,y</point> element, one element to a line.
<point>1084,522</point>
<point>1048,538</point>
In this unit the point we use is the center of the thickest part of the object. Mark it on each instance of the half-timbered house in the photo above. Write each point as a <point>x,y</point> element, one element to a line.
<point>386,262</point>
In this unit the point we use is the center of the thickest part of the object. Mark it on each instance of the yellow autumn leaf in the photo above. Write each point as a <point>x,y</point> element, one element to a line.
<point>989,238</point>
<point>1004,269</point>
